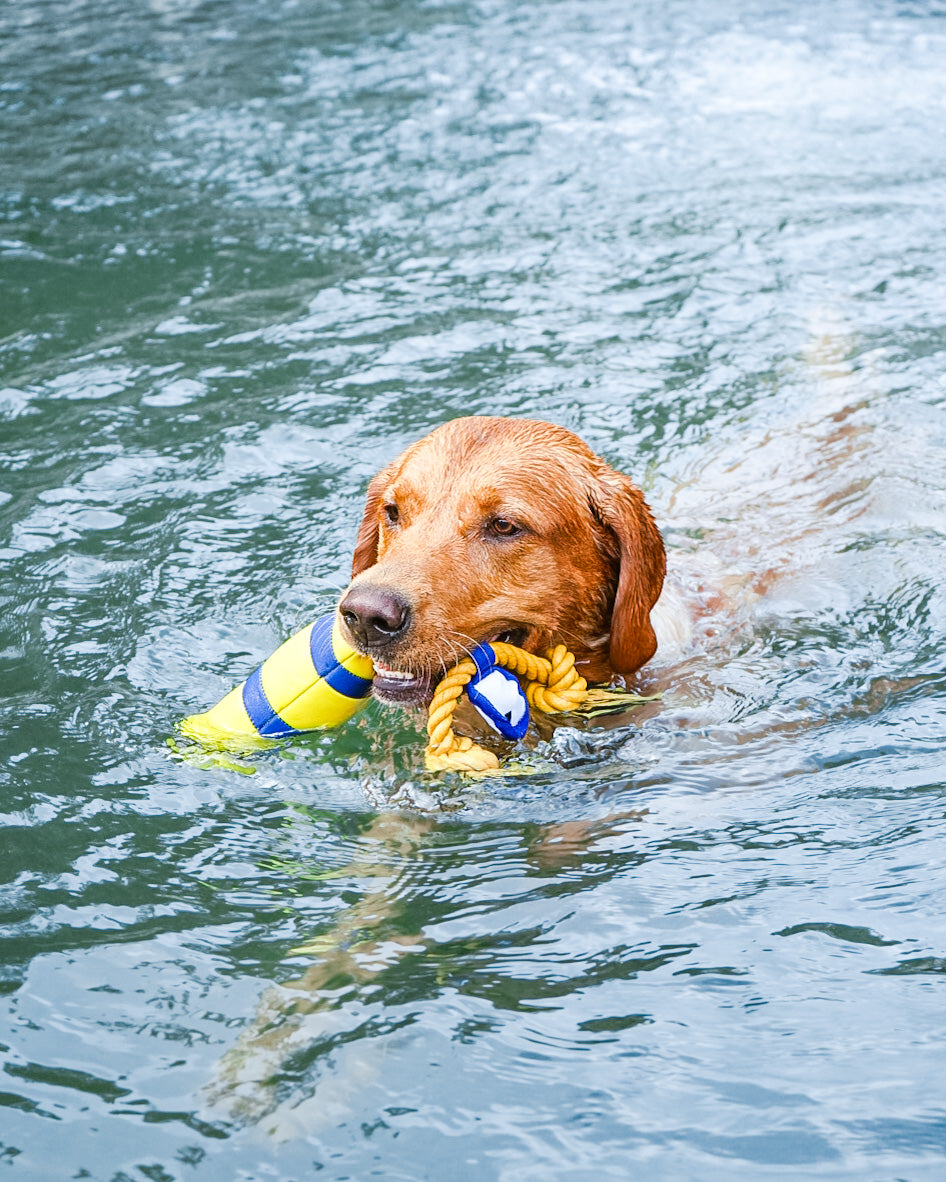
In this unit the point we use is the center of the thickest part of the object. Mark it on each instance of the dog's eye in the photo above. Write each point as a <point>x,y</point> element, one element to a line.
<point>391,514</point>
<point>502,527</point>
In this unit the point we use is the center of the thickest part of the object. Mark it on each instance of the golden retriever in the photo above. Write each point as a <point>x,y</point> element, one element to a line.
<point>492,527</point>
<point>497,528</point>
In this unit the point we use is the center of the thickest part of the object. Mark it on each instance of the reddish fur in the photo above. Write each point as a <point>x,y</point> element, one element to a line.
<point>589,567</point>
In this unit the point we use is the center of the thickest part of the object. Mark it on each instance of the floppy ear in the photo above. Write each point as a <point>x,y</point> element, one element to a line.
<point>620,505</point>
<point>366,544</point>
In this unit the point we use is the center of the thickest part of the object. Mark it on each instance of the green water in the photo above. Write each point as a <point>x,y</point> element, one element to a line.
<point>248,251</point>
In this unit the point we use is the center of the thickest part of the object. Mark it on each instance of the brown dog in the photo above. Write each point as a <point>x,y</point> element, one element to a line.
<point>494,528</point>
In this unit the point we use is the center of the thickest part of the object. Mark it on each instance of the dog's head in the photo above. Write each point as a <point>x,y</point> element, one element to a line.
<point>492,528</point>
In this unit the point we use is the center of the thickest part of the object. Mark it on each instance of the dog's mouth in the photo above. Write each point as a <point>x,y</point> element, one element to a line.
<point>401,687</point>
<point>410,687</point>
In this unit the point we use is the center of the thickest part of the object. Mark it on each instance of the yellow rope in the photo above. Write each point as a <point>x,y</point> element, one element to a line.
<point>553,685</point>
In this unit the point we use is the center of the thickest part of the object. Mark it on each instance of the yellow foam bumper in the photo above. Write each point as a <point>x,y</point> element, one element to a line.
<point>314,680</point>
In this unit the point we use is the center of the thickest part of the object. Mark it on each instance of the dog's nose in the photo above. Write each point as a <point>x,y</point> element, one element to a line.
<point>375,615</point>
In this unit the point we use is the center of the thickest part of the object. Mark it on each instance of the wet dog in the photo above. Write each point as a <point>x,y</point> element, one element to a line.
<point>501,529</point>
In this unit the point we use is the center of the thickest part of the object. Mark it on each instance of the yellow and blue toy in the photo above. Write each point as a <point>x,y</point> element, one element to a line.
<point>316,679</point>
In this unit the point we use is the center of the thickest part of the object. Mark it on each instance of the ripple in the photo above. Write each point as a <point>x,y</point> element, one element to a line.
<point>251,252</point>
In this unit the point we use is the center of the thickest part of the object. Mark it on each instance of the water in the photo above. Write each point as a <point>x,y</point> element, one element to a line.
<point>249,250</point>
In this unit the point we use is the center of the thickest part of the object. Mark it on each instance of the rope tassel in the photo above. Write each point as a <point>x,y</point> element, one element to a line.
<point>553,685</point>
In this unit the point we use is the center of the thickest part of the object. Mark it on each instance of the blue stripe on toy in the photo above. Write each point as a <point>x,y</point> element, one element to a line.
<point>261,713</point>
<point>328,666</point>
<point>484,658</point>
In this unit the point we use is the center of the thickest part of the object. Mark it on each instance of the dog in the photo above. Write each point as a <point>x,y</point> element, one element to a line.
<point>501,529</point>
<point>494,528</point>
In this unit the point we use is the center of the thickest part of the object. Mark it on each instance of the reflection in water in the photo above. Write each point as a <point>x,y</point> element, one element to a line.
<point>293,1068</point>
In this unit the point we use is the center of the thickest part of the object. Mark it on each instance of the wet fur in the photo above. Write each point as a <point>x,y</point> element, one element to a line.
<point>585,570</point>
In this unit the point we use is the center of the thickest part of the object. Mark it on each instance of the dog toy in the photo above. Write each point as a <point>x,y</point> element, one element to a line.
<point>553,685</point>
<point>315,679</point>
<point>497,695</point>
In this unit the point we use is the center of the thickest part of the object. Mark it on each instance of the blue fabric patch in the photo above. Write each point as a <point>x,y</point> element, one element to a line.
<point>501,700</point>
<point>484,658</point>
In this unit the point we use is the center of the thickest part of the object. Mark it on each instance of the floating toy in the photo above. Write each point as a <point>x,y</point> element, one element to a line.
<point>553,685</point>
<point>316,679</point>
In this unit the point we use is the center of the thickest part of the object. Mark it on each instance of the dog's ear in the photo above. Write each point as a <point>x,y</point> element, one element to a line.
<point>619,504</point>
<point>366,544</point>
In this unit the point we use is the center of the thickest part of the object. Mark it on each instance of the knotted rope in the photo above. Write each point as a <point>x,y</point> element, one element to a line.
<point>553,685</point>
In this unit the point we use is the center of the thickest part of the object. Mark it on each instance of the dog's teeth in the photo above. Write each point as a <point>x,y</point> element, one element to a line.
<point>393,674</point>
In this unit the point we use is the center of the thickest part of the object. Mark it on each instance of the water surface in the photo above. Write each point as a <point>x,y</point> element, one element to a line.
<point>249,251</point>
